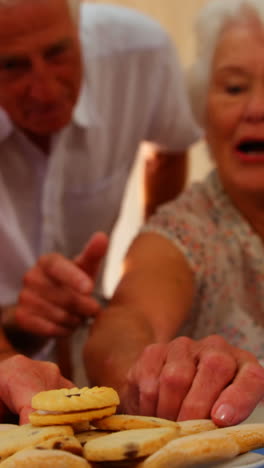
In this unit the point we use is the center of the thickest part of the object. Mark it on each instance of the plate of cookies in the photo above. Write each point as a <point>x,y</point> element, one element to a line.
<point>79,428</point>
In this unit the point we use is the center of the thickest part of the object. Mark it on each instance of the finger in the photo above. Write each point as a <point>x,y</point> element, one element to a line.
<point>65,272</point>
<point>176,378</point>
<point>143,381</point>
<point>36,387</point>
<point>214,371</point>
<point>36,281</point>
<point>42,326</point>
<point>154,358</point>
<point>85,306</point>
<point>93,253</point>
<point>30,304</point>
<point>240,398</point>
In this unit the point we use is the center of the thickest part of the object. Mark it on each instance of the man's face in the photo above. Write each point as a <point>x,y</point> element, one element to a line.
<point>40,65</point>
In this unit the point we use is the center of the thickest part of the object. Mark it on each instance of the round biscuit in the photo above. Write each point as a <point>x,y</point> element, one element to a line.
<point>75,399</point>
<point>37,419</point>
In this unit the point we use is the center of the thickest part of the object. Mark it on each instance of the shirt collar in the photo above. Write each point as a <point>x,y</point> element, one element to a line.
<point>85,113</point>
<point>6,125</point>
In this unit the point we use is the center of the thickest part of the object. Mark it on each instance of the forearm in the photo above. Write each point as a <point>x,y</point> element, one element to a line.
<point>165,175</point>
<point>116,340</point>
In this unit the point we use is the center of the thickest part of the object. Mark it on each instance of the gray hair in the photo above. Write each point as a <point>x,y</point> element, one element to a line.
<point>212,20</point>
<point>74,6</point>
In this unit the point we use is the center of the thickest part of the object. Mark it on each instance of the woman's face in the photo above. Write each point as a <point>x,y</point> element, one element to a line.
<point>235,109</point>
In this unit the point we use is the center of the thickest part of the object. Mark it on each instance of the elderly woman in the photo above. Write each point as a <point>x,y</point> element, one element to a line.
<point>183,335</point>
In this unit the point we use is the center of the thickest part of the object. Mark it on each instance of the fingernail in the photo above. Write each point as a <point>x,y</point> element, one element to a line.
<point>225,413</point>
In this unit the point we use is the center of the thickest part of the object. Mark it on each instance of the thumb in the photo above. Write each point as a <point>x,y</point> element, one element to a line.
<point>90,258</point>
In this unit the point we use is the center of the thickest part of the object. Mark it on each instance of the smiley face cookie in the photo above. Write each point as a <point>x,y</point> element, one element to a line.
<point>69,406</point>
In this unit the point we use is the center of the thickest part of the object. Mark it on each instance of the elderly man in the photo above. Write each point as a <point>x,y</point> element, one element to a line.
<point>75,105</point>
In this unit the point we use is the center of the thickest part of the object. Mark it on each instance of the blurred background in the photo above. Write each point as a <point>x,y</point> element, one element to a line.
<point>177,17</point>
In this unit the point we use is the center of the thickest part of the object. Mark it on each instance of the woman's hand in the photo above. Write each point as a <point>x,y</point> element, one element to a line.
<point>187,379</point>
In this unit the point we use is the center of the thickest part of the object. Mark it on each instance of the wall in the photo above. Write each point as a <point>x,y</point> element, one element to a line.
<point>177,16</point>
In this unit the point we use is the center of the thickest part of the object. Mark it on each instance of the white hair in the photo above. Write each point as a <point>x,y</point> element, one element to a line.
<point>213,18</point>
<point>74,6</point>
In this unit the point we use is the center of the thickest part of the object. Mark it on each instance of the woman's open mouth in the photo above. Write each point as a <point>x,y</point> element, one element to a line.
<point>250,150</point>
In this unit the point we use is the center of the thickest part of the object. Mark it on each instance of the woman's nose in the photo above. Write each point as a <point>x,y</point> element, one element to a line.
<point>254,110</point>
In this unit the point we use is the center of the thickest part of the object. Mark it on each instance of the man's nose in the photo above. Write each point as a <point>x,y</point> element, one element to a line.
<point>43,83</point>
<point>254,110</point>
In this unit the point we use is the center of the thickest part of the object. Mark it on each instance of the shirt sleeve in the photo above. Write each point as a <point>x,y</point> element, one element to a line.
<point>173,125</point>
<point>186,224</point>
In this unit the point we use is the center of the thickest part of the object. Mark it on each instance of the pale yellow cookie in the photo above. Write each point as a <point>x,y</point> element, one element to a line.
<point>66,443</point>
<point>84,437</point>
<point>193,450</point>
<point>247,436</point>
<point>123,422</point>
<point>33,458</point>
<point>7,427</point>
<point>129,444</point>
<point>75,399</point>
<point>26,436</point>
<point>69,418</point>
<point>195,426</point>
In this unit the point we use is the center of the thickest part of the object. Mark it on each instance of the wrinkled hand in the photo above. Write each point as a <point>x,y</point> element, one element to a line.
<point>189,379</point>
<point>56,294</point>
<point>20,379</point>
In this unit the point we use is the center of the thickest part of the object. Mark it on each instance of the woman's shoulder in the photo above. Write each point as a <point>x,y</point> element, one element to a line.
<point>199,204</point>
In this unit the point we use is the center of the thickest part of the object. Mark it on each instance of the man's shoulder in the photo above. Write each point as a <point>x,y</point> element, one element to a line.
<point>111,28</point>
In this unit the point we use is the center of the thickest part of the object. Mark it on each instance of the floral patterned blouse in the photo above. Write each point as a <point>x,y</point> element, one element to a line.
<point>227,259</point>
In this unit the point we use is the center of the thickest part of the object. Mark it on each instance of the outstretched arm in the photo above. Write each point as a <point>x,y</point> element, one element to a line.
<point>133,346</point>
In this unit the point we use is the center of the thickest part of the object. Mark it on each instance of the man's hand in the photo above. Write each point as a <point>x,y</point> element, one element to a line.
<point>56,295</point>
<point>20,379</point>
<point>189,379</point>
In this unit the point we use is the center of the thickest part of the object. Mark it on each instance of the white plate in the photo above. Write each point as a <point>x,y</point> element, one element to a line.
<point>248,460</point>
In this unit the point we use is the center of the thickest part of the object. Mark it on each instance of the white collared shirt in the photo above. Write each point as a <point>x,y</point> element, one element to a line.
<point>132,91</point>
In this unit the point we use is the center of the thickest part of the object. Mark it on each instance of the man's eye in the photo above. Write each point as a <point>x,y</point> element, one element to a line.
<point>14,65</point>
<point>56,51</point>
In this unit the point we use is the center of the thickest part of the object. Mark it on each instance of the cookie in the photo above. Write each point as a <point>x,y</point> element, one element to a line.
<point>69,418</point>
<point>194,450</point>
<point>26,436</point>
<point>208,447</point>
<point>71,406</point>
<point>84,437</point>
<point>195,426</point>
<point>75,399</point>
<point>123,422</point>
<point>129,444</point>
<point>247,436</point>
<point>66,443</point>
<point>7,427</point>
<point>44,459</point>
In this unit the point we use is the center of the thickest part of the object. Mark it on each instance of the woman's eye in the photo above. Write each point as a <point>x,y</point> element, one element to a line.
<point>235,89</point>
